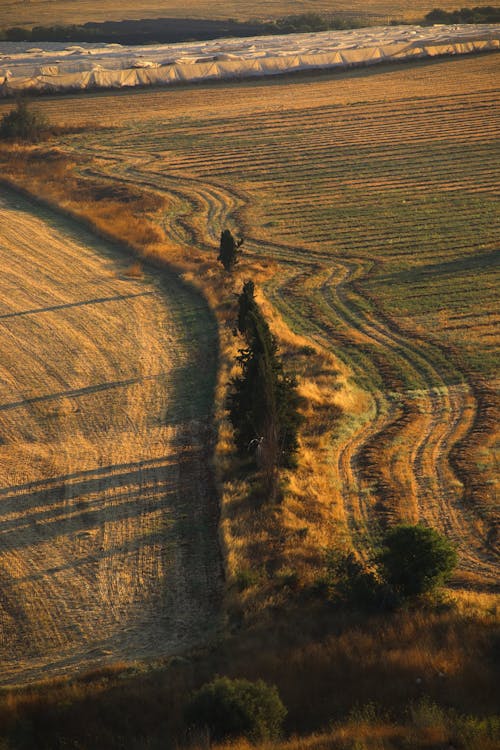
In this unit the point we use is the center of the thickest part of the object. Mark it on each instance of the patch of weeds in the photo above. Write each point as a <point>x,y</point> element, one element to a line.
<point>245,578</point>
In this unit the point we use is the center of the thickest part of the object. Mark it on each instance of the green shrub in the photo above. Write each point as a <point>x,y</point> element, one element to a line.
<point>245,578</point>
<point>415,560</point>
<point>22,123</point>
<point>228,709</point>
<point>478,14</point>
<point>349,580</point>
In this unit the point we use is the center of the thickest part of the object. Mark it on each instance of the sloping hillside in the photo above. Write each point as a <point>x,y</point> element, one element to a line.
<point>108,516</point>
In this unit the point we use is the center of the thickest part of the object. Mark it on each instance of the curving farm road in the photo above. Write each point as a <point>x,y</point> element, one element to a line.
<point>108,513</point>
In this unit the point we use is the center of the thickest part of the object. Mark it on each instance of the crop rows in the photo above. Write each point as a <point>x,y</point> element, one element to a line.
<point>382,217</point>
<point>107,521</point>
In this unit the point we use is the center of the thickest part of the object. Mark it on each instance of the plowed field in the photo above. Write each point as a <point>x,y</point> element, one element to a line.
<point>108,542</point>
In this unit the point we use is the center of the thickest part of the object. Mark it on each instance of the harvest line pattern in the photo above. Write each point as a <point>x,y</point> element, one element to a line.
<point>108,513</point>
<point>344,236</point>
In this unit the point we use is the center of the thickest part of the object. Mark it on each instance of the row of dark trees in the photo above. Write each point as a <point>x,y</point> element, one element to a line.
<point>263,400</point>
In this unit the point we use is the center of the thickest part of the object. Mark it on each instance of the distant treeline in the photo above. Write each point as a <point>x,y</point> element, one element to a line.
<point>479,14</point>
<point>169,30</point>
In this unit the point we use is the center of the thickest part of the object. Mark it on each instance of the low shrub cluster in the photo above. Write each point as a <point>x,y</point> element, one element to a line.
<point>412,561</point>
<point>23,123</point>
<point>229,709</point>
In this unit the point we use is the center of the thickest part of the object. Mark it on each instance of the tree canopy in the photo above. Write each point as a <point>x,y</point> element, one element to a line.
<point>229,250</point>
<point>263,401</point>
<point>416,559</point>
<point>229,709</point>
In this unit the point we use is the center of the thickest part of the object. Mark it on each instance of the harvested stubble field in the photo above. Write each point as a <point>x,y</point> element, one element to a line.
<point>372,197</point>
<point>57,12</point>
<point>367,202</point>
<point>107,510</point>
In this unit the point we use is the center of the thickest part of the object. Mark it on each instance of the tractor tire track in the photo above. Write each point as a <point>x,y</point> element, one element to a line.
<point>443,410</point>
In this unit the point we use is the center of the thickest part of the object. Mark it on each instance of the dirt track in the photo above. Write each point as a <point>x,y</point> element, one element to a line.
<point>420,470</point>
<point>108,546</point>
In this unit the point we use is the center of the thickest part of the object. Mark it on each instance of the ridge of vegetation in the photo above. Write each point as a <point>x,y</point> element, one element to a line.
<point>173,30</point>
<point>477,14</point>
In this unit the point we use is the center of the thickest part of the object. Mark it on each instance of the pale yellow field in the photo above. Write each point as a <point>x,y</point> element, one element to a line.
<point>49,12</point>
<point>107,529</point>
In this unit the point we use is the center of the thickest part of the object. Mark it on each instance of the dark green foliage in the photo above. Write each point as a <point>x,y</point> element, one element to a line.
<point>229,250</point>
<point>347,579</point>
<point>23,124</point>
<point>165,30</point>
<point>478,14</point>
<point>237,708</point>
<point>415,560</point>
<point>17,34</point>
<point>263,402</point>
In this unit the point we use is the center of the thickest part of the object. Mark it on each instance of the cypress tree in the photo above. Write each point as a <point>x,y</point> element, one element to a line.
<point>263,403</point>
<point>229,250</point>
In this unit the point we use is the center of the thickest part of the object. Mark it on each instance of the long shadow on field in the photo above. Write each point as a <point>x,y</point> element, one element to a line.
<point>63,479</point>
<point>65,503</point>
<point>95,301</point>
<point>169,502</point>
<point>476,262</point>
<point>77,392</point>
<point>68,505</point>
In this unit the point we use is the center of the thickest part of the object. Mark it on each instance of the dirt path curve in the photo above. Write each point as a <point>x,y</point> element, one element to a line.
<point>108,514</point>
<point>421,482</point>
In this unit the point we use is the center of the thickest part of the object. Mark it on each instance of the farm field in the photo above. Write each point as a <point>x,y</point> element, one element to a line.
<point>57,12</point>
<point>376,211</point>
<point>107,508</point>
<point>370,218</point>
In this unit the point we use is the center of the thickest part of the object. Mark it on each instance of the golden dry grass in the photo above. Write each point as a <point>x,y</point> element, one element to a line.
<point>389,400</point>
<point>287,165</point>
<point>51,12</point>
<point>345,677</point>
<point>102,455</point>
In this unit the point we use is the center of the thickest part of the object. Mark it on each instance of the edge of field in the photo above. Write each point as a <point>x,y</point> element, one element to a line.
<point>201,433</point>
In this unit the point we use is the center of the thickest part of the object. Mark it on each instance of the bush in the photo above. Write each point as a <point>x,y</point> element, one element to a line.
<point>415,560</point>
<point>349,580</point>
<point>23,124</point>
<point>237,708</point>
